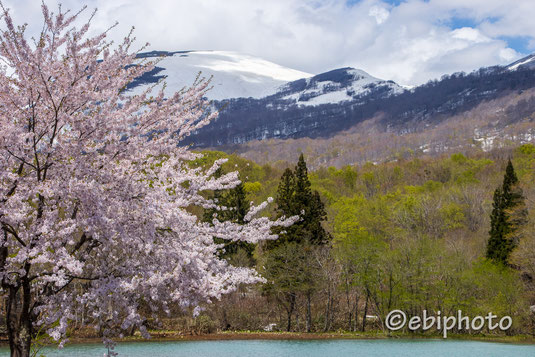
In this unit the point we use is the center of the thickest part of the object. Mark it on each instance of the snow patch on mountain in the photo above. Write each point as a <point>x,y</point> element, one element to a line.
<point>234,75</point>
<point>340,85</point>
<point>321,98</point>
<point>528,61</point>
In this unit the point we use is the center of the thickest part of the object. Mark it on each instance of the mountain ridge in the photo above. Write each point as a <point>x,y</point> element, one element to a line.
<point>329,103</point>
<point>233,75</point>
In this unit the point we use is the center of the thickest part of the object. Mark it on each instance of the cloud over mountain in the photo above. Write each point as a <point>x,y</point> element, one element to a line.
<point>408,41</point>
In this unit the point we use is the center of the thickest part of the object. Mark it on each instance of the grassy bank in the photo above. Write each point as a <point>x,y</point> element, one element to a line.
<point>170,335</point>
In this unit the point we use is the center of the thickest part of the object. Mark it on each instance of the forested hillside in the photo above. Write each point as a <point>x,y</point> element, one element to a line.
<point>504,122</point>
<point>411,235</point>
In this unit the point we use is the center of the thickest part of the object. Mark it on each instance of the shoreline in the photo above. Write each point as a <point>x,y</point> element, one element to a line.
<point>174,336</point>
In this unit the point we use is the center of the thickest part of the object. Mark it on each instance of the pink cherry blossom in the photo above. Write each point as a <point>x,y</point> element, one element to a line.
<point>95,187</point>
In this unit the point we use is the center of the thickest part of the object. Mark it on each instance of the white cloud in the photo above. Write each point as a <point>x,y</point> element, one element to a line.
<point>469,34</point>
<point>409,43</point>
<point>379,13</point>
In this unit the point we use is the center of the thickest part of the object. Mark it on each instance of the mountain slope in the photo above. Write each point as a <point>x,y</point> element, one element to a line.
<point>233,74</point>
<point>312,107</point>
<point>339,85</point>
<point>527,62</point>
<point>496,123</point>
<point>260,100</point>
<point>296,110</point>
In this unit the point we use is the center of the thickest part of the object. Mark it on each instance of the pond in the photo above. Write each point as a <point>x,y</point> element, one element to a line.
<point>314,348</point>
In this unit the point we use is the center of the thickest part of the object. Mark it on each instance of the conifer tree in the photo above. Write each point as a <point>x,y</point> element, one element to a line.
<point>295,197</point>
<point>508,215</point>
<point>289,263</point>
<point>498,248</point>
<point>285,194</point>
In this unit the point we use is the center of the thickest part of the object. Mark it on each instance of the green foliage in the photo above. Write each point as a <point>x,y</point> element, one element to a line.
<point>525,162</point>
<point>348,176</point>
<point>363,251</point>
<point>252,187</point>
<point>526,149</point>
<point>409,234</point>
<point>459,158</point>
<point>453,215</point>
<point>289,268</point>
<point>467,171</point>
<point>496,288</point>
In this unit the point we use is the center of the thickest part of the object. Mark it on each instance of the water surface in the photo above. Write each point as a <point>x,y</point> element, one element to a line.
<point>315,348</point>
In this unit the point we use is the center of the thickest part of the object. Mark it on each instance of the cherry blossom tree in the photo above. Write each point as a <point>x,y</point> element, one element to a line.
<point>95,189</point>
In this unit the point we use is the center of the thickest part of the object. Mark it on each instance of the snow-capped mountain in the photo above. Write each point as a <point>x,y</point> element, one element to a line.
<point>312,107</point>
<point>234,75</point>
<point>332,102</point>
<point>260,100</point>
<point>339,85</point>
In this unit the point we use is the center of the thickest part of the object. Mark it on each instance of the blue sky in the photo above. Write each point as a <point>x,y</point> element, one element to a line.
<point>521,44</point>
<point>410,41</point>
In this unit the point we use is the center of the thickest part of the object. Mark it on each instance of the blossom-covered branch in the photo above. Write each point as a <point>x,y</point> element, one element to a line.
<point>95,187</point>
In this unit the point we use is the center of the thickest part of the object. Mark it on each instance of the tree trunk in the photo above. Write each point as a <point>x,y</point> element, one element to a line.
<point>18,320</point>
<point>309,313</point>
<point>349,307</point>
<point>226,324</point>
<point>356,312</point>
<point>290,310</point>
<point>365,311</point>
<point>297,326</point>
<point>327,310</point>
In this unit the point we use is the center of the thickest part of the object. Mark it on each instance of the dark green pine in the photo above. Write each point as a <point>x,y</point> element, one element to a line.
<point>508,213</point>
<point>498,247</point>
<point>509,181</point>
<point>285,195</point>
<point>295,197</point>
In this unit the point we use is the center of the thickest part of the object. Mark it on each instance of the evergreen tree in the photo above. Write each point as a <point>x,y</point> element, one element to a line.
<point>289,262</point>
<point>295,197</point>
<point>285,195</point>
<point>302,183</point>
<point>290,270</point>
<point>498,247</point>
<point>235,200</point>
<point>508,215</point>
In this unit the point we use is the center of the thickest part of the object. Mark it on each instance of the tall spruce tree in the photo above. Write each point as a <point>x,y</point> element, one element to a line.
<point>295,197</point>
<point>508,215</point>
<point>289,263</point>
